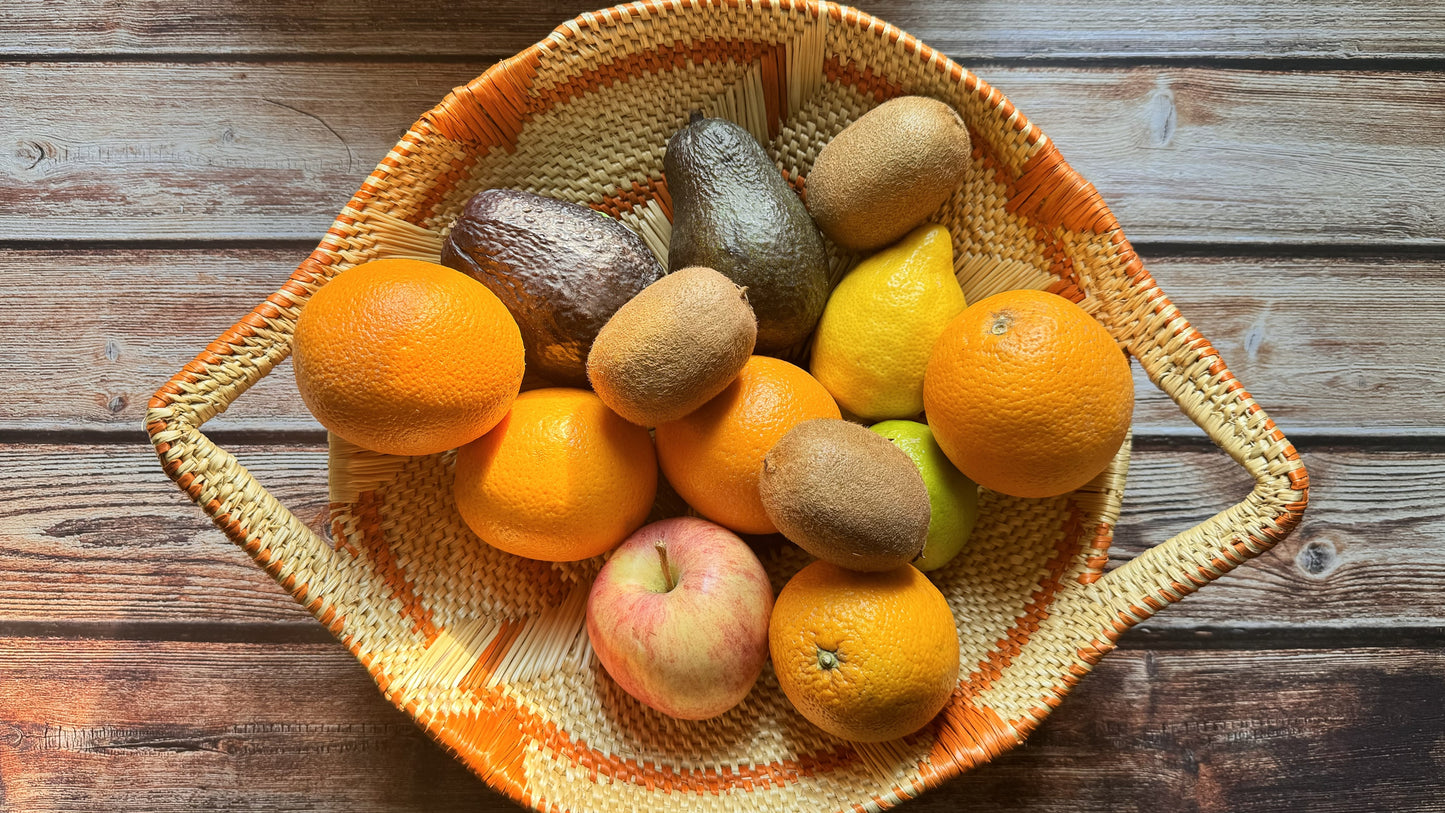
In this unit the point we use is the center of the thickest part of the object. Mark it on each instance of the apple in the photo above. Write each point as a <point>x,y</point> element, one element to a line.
<point>679,617</point>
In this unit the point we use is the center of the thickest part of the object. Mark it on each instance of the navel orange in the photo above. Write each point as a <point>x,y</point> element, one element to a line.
<point>864,656</point>
<point>713,456</point>
<point>406,357</point>
<point>561,478</point>
<point>1027,394</point>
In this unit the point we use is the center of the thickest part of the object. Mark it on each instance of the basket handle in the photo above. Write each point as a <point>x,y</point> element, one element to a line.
<point>1185,366</point>
<point>236,502</point>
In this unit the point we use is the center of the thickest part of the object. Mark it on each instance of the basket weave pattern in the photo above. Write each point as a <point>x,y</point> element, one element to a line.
<point>487,651</point>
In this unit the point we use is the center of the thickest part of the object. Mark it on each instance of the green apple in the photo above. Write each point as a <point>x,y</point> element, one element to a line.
<point>952,496</point>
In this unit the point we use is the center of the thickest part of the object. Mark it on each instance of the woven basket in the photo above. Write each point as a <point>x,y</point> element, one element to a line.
<point>488,652</point>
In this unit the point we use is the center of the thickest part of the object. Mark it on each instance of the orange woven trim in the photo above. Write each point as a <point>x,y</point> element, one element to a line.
<point>678,54</point>
<point>492,108</point>
<point>378,553</point>
<point>1051,194</point>
<point>598,765</point>
<point>1009,646</point>
<point>489,740</point>
<point>864,81</point>
<point>1061,264</point>
<point>458,171</point>
<point>338,530</point>
<point>799,184</point>
<point>1095,564</point>
<point>625,200</point>
<point>774,63</point>
<point>1089,655</point>
<point>476,678</point>
<point>241,537</point>
<point>967,736</point>
<point>1068,289</point>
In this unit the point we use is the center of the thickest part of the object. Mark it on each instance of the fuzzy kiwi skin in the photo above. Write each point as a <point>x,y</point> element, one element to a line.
<point>831,487</point>
<point>673,347</point>
<point>888,171</point>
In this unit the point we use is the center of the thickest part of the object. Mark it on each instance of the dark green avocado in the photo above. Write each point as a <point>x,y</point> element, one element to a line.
<point>733,212</point>
<point>562,269</point>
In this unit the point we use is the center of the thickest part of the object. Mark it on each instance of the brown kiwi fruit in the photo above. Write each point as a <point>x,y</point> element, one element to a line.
<point>888,171</point>
<point>673,347</point>
<point>846,495</point>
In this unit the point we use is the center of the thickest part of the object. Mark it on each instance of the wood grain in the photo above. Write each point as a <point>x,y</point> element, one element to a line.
<point>990,29</point>
<point>1326,345</point>
<point>97,535</point>
<point>168,726</point>
<point>293,727</point>
<point>248,151</point>
<point>132,320</point>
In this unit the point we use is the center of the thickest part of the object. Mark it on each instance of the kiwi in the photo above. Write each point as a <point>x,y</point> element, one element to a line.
<point>888,171</point>
<point>846,495</point>
<point>673,347</point>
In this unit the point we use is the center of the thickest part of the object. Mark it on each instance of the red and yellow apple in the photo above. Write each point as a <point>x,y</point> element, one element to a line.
<point>679,617</point>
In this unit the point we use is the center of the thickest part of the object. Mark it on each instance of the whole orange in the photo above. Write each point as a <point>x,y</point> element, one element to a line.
<point>406,357</point>
<point>1027,394</point>
<point>713,456</point>
<point>561,478</point>
<point>864,656</point>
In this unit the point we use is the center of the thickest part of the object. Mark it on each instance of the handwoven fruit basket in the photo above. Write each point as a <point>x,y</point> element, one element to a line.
<point>488,651</point>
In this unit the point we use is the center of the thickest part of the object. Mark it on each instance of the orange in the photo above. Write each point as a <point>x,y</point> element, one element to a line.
<point>561,478</point>
<point>1027,394</point>
<point>864,656</point>
<point>713,456</point>
<point>406,357</point>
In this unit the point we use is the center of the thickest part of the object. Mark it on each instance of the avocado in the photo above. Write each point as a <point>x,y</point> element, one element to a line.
<point>733,212</point>
<point>561,268</point>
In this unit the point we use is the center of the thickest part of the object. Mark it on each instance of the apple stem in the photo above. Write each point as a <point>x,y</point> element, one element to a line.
<point>666,571</point>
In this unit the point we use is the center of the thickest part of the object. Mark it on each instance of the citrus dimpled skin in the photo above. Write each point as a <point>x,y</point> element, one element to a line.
<point>561,478</point>
<point>406,357</point>
<point>713,456</point>
<point>1028,395</point>
<point>873,342</point>
<point>864,656</point>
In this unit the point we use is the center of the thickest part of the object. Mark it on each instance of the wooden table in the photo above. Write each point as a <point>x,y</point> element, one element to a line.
<point>1279,166</point>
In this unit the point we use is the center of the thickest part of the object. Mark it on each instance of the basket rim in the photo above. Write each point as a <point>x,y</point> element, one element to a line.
<point>1132,592</point>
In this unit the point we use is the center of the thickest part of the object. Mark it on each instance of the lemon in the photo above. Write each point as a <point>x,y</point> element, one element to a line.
<point>878,328</point>
<point>952,497</point>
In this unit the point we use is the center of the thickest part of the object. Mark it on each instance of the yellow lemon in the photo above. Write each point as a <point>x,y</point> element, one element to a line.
<point>878,329</point>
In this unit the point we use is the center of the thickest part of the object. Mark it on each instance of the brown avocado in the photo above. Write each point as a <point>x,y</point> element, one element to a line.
<point>561,268</point>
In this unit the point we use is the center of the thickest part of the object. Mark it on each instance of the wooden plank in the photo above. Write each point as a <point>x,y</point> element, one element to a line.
<point>1319,342</point>
<point>96,534</point>
<point>267,727</point>
<point>989,29</point>
<point>167,726</point>
<point>1367,554</point>
<point>1312,339</point>
<point>159,309</point>
<point>202,151</point>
